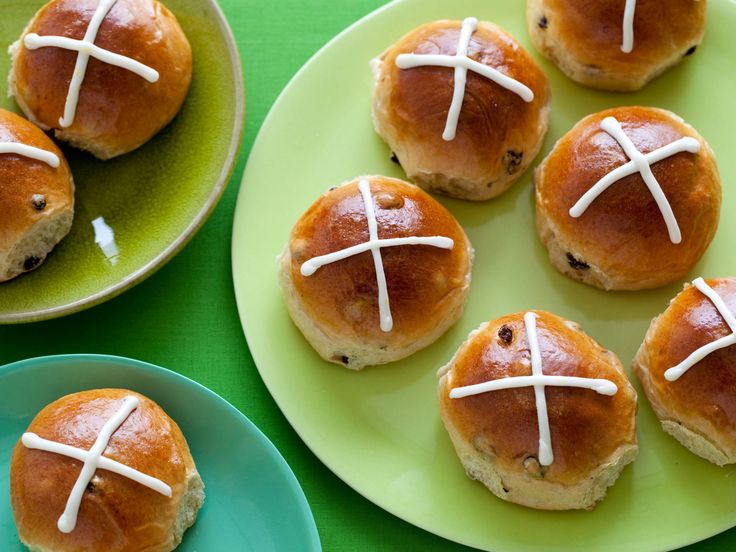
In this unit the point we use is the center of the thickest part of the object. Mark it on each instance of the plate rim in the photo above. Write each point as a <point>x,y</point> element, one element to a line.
<point>159,371</point>
<point>163,257</point>
<point>239,215</point>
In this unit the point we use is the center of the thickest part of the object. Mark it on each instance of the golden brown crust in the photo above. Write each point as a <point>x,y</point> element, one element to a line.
<point>498,133</point>
<point>584,38</point>
<point>118,110</point>
<point>424,283</point>
<point>622,235</point>
<point>587,429</point>
<point>22,178</point>
<point>116,513</point>
<point>703,399</point>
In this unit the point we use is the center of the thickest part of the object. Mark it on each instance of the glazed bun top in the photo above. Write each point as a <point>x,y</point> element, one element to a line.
<point>587,428</point>
<point>343,296</point>
<point>592,30</point>
<point>118,110</point>
<point>116,513</point>
<point>31,190</point>
<point>498,131</point>
<point>623,231</point>
<point>706,390</point>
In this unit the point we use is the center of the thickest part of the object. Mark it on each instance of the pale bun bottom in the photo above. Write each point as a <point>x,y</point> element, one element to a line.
<point>35,243</point>
<point>354,354</point>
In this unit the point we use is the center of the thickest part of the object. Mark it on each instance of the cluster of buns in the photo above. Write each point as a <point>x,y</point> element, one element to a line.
<point>115,512</point>
<point>628,199</point>
<point>107,102</point>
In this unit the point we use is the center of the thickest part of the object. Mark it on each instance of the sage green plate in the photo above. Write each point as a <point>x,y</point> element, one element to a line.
<point>154,199</point>
<point>254,502</point>
<point>379,430</point>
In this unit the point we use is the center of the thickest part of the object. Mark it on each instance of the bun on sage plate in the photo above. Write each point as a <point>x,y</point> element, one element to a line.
<point>496,131</point>
<point>560,454</point>
<point>615,230</point>
<point>341,305</point>
<point>616,44</point>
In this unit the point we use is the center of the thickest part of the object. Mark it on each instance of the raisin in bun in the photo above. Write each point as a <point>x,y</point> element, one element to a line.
<point>36,196</point>
<point>118,110</point>
<point>694,397</point>
<point>341,306</point>
<point>567,462</point>
<point>115,513</point>
<point>596,44</point>
<point>621,237</point>
<point>499,130</point>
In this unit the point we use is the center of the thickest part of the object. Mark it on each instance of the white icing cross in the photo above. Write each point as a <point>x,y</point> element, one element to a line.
<point>628,43</point>
<point>642,164</point>
<point>93,460</point>
<point>51,159</point>
<point>539,381</point>
<point>462,64</point>
<point>673,374</point>
<point>86,49</point>
<point>374,245</point>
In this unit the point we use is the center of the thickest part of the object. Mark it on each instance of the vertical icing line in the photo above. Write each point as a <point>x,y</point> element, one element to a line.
<point>628,27</point>
<point>546,456</point>
<point>461,78</point>
<point>384,306</point>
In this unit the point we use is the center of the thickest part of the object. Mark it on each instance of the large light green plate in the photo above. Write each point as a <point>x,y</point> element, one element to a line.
<point>380,430</point>
<point>254,503</point>
<point>155,198</point>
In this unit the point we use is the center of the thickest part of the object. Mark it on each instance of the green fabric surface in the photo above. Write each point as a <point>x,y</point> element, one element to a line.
<point>184,317</point>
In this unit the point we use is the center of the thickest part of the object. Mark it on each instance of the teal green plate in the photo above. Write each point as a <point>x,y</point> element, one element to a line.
<point>254,502</point>
<point>380,430</point>
<point>156,198</point>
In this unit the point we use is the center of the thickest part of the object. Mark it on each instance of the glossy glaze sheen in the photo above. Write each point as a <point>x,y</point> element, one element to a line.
<point>117,109</point>
<point>420,278</point>
<point>622,231</point>
<point>380,430</point>
<point>586,428</point>
<point>155,198</point>
<point>708,390</point>
<point>116,513</point>
<point>21,178</point>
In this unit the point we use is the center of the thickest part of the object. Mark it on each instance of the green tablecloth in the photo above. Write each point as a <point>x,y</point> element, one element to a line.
<point>184,317</point>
